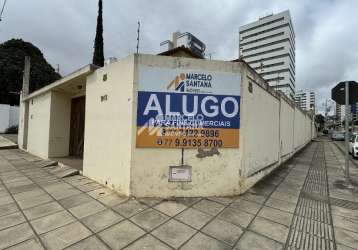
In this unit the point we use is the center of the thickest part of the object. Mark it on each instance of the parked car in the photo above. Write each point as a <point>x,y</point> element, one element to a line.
<point>338,136</point>
<point>353,146</point>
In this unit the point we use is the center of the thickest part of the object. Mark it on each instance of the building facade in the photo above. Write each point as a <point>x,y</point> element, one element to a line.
<point>306,100</point>
<point>268,46</point>
<point>128,148</point>
<point>186,40</point>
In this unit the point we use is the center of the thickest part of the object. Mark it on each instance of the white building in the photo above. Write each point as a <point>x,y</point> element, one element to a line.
<point>341,112</point>
<point>306,100</point>
<point>186,40</point>
<point>103,117</point>
<point>268,45</point>
<point>9,116</point>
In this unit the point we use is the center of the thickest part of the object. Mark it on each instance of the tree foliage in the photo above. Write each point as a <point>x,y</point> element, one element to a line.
<point>12,57</point>
<point>319,119</point>
<point>98,54</point>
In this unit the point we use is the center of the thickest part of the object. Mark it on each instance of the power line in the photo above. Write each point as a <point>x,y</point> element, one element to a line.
<point>2,10</point>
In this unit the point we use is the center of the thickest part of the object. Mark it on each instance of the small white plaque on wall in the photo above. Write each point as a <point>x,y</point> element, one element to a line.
<point>180,173</point>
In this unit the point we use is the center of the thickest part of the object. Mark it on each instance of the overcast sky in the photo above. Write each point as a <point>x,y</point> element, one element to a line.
<point>64,30</point>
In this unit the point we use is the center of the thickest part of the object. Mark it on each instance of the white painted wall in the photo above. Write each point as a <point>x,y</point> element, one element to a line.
<point>211,175</point>
<point>108,125</point>
<point>259,117</point>
<point>271,131</point>
<point>286,127</point>
<point>39,125</point>
<point>9,116</point>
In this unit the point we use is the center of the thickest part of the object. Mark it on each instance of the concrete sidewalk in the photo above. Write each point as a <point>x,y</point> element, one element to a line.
<point>305,204</point>
<point>5,143</point>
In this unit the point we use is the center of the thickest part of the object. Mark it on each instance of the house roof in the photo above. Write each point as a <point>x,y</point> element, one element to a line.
<point>178,50</point>
<point>77,77</point>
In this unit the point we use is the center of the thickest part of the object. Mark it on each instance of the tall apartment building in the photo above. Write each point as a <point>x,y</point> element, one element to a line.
<point>268,46</point>
<point>340,112</point>
<point>186,40</point>
<point>306,100</point>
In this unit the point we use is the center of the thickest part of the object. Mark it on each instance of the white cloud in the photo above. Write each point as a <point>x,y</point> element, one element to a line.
<point>326,42</point>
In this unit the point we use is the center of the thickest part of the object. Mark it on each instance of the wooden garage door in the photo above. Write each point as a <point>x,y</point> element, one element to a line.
<point>77,126</point>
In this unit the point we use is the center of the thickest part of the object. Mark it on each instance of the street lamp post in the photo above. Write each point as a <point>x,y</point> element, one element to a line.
<point>346,125</point>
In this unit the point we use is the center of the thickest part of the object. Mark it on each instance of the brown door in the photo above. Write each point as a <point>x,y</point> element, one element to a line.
<point>77,126</point>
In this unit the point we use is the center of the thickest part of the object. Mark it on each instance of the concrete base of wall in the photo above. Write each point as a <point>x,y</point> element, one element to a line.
<point>247,183</point>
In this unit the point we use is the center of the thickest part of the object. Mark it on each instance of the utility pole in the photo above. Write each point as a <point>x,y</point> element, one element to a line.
<point>138,33</point>
<point>211,54</point>
<point>26,78</point>
<point>2,10</point>
<point>346,125</point>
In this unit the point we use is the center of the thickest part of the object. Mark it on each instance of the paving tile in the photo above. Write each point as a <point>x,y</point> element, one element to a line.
<point>148,242</point>
<point>14,235</point>
<point>224,231</point>
<point>246,206</point>
<point>262,188</point>
<point>101,220</point>
<point>150,201</point>
<point>346,237</point>
<point>113,200</point>
<point>194,218</point>
<point>345,223</point>
<point>149,219</point>
<point>170,208</point>
<point>343,247</point>
<point>64,193</point>
<point>188,201</point>
<point>34,201</point>
<point>280,204</point>
<point>222,200</point>
<point>31,244</point>
<point>42,210</point>
<point>29,194</point>
<point>75,200</point>
<point>121,234</point>
<point>3,193</point>
<point>254,197</point>
<point>280,195</point>
<point>11,220</point>
<point>201,241</point>
<point>253,241</point>
<point>352,214</point>
<point>87,209</point>
<point>173,233</point>
<point>80,180</point>
<point>129,208</point>
<point>18,183</point>
<point>65,236</point>
<point>6,199</point>
<point>53,221</point>
<point>237,217</point>
<point>91,243</point>
<point>276,215</point>
<point>100,192</point>
<point>270,229</point>
<point>209,207</point>
<point>8,209</point>
<point>89,187</point>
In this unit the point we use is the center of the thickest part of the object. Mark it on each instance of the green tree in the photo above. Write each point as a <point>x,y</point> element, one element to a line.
<point>12,56</point>
<point>98,54</point>
<point>319,119</point>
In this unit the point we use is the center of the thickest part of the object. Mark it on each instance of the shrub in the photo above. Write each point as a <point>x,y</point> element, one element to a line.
<point>11,130</point>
